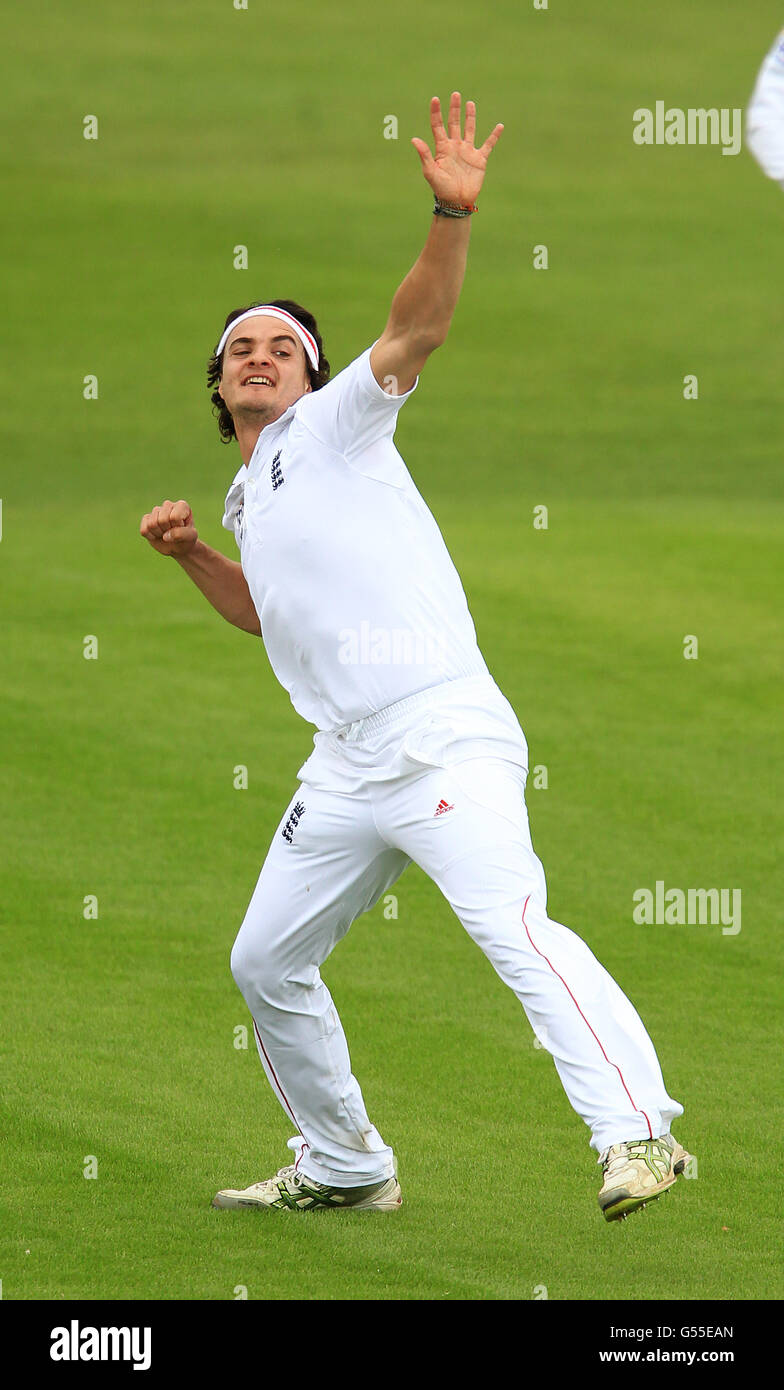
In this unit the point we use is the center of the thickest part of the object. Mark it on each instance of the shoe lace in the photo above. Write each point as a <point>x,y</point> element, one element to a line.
<point>624,1151</point>
<point>271,1184</point>
<point>635,1149</point>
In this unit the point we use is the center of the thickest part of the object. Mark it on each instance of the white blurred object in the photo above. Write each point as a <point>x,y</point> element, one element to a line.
<point>765,114</point>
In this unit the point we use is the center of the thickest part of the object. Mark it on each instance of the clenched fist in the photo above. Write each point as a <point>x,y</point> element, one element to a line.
<point>170,529</point>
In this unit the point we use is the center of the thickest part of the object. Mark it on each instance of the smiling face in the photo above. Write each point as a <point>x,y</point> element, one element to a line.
<point>264,371</point>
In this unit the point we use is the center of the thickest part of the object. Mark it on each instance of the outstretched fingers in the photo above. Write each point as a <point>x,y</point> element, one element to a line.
<point>442,139</point>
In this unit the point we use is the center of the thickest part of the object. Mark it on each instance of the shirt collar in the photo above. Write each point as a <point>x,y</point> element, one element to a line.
<point>236,492</point>
<point>267,433</point>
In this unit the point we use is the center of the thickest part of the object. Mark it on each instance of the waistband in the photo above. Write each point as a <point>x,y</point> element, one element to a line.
<point>431,696</point>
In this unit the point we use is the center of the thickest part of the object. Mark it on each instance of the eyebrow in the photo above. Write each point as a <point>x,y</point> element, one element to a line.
<point>279,338</point>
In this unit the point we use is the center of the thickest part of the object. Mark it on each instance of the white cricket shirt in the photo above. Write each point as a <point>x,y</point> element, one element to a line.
<point>765,114</point>
<point>359,602</point>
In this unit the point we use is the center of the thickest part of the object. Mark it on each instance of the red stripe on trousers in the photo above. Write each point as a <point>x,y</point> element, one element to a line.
<point>277,1083</point>
<point>585,1020</point>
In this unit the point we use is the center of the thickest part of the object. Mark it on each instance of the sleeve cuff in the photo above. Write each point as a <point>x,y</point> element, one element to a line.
<point>371,385</point>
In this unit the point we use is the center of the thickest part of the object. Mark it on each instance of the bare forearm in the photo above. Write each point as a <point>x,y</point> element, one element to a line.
<point>422,309</point>
<point>424,304</point>
<point>223,583</point>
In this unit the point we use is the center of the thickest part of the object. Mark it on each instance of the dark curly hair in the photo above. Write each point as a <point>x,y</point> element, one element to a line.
<point>215,364</point>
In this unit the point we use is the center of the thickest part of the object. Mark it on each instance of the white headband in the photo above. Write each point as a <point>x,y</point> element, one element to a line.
<point>307,339</point>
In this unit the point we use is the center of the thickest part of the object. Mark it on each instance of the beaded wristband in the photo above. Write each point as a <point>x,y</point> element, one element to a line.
<point>452,210</point>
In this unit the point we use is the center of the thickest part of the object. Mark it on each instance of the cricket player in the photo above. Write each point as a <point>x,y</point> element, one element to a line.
<point>765,114</point>
<point>417,754</point>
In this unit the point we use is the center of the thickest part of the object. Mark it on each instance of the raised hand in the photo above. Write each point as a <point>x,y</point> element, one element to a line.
<point>457,170</point>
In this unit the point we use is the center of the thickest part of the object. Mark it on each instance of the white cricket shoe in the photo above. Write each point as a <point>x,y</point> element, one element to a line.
<point>290,1191</point>
<point>638,1172</point>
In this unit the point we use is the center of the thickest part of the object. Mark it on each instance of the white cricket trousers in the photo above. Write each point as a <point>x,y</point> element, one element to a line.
<point>437,779</point>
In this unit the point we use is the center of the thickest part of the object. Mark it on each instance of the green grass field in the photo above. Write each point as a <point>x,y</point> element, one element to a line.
<point>561,388</point>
